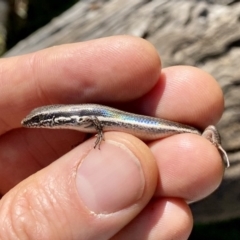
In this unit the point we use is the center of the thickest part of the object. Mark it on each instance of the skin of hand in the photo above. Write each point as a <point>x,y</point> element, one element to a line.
<point>126,190</point>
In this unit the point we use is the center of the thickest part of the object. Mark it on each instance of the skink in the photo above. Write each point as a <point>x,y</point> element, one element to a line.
<point>94,118</point>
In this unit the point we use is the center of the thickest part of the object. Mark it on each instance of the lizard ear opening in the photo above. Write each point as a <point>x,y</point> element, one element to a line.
<point>86,122</point>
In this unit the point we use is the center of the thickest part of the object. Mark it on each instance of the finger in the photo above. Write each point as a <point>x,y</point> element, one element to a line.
<point>158,220</point>
<point>190,167</point>
<point>87,193</point>
<point>185,94</point>
<point>103,70</point>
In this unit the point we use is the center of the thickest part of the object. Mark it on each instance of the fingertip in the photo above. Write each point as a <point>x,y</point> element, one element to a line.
<point>191,170</point>
<point>147,53</point>
<point>182,224</point>
<point>158,220</point>
<point>185,94</point>
<point>198,91</point>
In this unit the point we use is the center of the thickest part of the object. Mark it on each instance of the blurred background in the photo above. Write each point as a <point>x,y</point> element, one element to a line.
<point>201,33</point>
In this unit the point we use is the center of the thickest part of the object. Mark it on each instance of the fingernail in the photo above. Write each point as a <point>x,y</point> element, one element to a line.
<point>110,179</point>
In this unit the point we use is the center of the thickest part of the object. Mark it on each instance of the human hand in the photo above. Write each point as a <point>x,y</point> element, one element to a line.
<point>127,190</point>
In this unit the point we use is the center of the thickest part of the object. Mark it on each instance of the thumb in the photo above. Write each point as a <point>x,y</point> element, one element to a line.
<point>86,194</point>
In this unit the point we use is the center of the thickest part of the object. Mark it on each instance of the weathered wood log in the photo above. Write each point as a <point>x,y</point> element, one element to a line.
<point>3,22</point>
<point>188,32</point>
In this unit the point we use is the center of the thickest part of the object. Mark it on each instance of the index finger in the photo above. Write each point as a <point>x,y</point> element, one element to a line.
<point>103,70</point>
